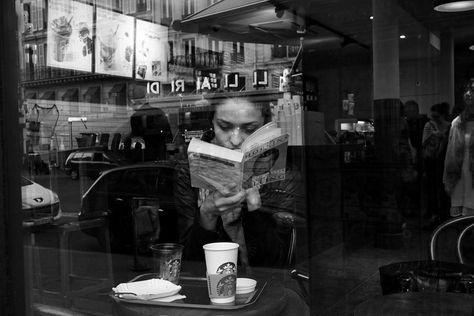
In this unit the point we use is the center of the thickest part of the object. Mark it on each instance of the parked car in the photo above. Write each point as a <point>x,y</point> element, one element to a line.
<point>112,195</point>
<point>39,204</point>
<point>92,162</point>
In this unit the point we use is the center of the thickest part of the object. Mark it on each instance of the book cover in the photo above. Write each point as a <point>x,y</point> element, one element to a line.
<point>261,160</point>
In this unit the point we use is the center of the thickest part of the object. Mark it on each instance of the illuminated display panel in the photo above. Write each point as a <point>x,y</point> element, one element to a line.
<point>114,43</point>
<point>69,35</point>
<point>151,51</point>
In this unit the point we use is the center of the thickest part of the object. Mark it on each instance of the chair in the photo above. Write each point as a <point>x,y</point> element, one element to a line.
<point>72,284</point>
<point>104,140</point>
<point>293,222</point>
<point>462,221</point>
<point>115,142</point>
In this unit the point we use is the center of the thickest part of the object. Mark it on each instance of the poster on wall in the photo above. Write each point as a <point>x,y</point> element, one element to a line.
<point>151,60</point>
<point>114,43</point>
<point>69,35</point>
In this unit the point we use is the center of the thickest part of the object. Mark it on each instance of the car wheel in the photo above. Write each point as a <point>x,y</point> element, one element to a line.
<point>74,175</point>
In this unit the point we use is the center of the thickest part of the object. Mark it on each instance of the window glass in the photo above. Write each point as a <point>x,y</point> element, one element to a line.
<point>327,139</point>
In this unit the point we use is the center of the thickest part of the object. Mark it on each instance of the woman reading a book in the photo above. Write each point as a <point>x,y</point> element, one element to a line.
<point>232,214</point>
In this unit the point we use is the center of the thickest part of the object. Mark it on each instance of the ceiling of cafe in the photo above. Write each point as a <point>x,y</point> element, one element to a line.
<point>330,23</point>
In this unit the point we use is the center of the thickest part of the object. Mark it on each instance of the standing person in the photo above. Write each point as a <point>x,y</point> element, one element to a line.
<point>416,123</point>
<point>434,142</point>
<point>206,216</point>
<point>459,163</point>
<point>407,158</point>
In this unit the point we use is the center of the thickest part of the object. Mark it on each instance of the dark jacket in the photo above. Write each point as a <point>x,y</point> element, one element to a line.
<point>267,242</point>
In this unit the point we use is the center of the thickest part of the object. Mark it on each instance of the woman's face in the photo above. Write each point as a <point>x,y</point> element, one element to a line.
<point>234,120</point>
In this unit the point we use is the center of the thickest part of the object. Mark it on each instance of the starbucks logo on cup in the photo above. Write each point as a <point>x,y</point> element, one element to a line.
<point>226,286</point>
<point>227,268</point>
<point>174,267</point>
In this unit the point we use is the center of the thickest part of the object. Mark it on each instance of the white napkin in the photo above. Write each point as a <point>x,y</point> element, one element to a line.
<point>169,299</point>
<point>147,290</point>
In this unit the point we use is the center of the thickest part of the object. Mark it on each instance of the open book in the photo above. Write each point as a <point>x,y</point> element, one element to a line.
<point>260,160</point>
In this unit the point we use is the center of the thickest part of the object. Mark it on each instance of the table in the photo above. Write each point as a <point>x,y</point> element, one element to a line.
<point>275,300</point>
<point>417,303</point>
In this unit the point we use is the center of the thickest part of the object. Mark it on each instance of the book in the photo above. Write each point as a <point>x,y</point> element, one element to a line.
<point>261,159</point>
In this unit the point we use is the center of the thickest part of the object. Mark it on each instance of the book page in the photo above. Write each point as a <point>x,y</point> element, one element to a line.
<point>260,136</point>
<point>214,167</point>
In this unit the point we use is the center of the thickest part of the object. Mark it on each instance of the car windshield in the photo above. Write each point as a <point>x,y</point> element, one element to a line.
<point>25,182</point>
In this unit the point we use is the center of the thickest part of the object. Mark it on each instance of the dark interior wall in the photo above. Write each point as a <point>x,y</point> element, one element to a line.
<point>338,72</point>
<point>419,81</point>
<point>12,285</point>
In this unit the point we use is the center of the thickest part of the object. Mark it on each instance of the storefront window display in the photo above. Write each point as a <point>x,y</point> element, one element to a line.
<point>301,131</point>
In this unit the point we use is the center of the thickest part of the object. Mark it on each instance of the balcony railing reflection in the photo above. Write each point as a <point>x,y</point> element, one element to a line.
<point>44,73</point>
<point>201,59</point>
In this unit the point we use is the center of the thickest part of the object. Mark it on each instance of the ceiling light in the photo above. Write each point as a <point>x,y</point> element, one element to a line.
<point>371,17</point>
<point>403,36</point>
<point>453,5</point>
<point>471,47</point>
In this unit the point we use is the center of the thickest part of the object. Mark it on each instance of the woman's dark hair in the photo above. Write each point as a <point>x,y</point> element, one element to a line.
<point>443,109</point>
<point>263,106</point>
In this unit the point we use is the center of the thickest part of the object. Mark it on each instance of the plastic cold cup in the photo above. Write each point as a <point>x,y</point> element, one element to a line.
<point>61,44</point>
<point>167,261</point>
<point>221,265</point>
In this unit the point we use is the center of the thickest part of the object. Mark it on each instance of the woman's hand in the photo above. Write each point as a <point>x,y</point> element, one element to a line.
<point>218,203</point>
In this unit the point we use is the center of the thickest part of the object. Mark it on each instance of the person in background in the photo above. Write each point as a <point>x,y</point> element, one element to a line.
<point>459,162</point>
<point>434,143</point>
<point>416,122</point>
<point>206,216</point>
<point>409,174</point>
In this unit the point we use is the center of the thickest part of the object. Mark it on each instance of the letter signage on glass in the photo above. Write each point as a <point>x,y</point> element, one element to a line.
<point>69,43</point>
<point>151,51</point>
<point>153,87</point>
<point>114,43</point>
<point>231,80</point>
<point>260,78</point>
<point>177,85</point>
<point>234,81</point>
<point>206,81</point>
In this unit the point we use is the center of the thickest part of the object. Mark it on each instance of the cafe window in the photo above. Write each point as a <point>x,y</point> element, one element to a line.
<point>129,6</point>
<point>189,48</point>
<point>117,94</point>
<point>188,7</point>
<point>215,45</point>
<point>92,95</point>
<point>166,11</point>
<point>238,52</point>
<point>71,95</point>
<point>141,5</point>
<point>328,140</point>
<point>48,95</point>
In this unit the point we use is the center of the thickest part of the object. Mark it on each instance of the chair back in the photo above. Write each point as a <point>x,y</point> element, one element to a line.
<point>464,223</point>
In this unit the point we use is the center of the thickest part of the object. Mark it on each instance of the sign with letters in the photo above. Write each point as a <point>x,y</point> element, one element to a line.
<point>234,81</point>
<point>260,78</point>
<point>207,80</point>
<point>153,87</point>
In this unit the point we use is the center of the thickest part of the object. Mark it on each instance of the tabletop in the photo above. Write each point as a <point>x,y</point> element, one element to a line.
<point>279,297</point>
<point>417,303</point>
<point>274,300</point>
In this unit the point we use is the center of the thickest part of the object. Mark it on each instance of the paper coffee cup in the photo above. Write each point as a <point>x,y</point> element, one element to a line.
<point>221,265</point>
